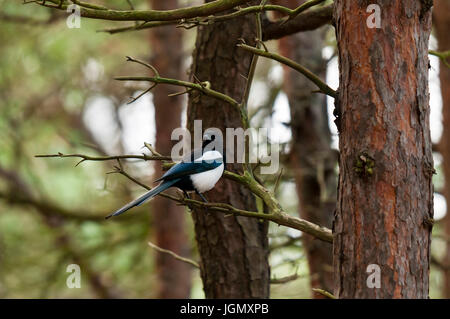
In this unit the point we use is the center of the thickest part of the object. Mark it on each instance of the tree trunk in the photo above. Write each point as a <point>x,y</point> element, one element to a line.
<point>385,195</point>
<point>441,16</point>
<point>174,277</point>
<point>312,158</point>
<point>233,250</point>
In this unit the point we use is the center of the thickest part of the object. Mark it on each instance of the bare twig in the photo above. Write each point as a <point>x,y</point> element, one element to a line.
<point>285,280</point>
<point>120,170</point>
<point>252,69</point>
<point>83,157</point>
<point>210,19</point>
<point>324,293</point>
<point>277,181</point>
<point>151,149</point>
<point>303,7</point>
<point>306,21</point>
<point>134,99</point>
<point>130,4</point>
<point>443,56</point>
<point>100,12</point>
<point>202,88</point>
<point>290,241</point>
<point>174,255</point>
<point>82,4</point>
<point>138,26</point>
<point>151,67</point>
<point>280,218</point>
<point>323,87</point>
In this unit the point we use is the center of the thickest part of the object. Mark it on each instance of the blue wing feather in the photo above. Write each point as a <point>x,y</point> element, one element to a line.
<point>183,169</point>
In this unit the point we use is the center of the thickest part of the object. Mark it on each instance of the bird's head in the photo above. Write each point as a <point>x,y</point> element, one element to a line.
<point>213,141</point>
<point>208,137</point>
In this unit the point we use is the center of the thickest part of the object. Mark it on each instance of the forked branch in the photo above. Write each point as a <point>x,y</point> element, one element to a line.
<point>323,87</point>
<point>100,12</point>
<point>443,56</point>
<point>210,19</point>
<point>275,214</point>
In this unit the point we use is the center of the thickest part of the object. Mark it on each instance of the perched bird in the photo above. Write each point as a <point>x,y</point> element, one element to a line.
<point>198,172</point>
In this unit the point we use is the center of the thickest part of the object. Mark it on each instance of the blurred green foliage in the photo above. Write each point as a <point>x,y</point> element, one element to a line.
<point>44,88</point>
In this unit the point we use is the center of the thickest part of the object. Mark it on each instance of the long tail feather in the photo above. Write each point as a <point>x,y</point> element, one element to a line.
<point>145,197</point>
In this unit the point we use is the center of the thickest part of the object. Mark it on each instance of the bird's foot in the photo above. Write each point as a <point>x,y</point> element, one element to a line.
<point>202,197</point>
<point>186,194</point>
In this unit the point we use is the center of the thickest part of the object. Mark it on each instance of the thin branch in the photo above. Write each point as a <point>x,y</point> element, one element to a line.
<point>254,62</point>
<point>130,4</point>
<point>305,6</point>
<point>276,214</point>
<point>139,26</point>
<point>204,87</point>
<point>119,170</point>
<point>207,20</point>
<point>324,293</point>
<point>151,67</point>
<point>100,12</point>
<point>151,149</point>
<point>174,255</point>
<point>197,21</point>
<point>279,217</point>
<point>134,99</point>
<point>277,181</point>
<point>323,87</point>
<point>249,81</point>
<point>290,241</point>
<point>285,280</point>
<point>306,21</point>
<point>83,4</point>
<point>443,56</point>
<point>83,157</point>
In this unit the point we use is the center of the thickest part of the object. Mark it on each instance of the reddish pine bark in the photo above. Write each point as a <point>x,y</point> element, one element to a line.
<point>385,202</point>
<point>312,159</point>
<point>174,277</point>
<point>441,15</point>
<point>233,250</point>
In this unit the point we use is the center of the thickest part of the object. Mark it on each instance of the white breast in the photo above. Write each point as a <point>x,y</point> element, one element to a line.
<point>205,181</point>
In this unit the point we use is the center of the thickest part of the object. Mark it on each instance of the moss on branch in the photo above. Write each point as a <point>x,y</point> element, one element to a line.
<point>99,12</point>
<point>323,87</point>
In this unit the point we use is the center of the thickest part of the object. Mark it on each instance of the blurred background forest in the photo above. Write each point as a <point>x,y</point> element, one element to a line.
<point>57,94</point>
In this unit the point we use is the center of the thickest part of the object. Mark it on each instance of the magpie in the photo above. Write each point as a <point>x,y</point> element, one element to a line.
<point>198,172</point>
